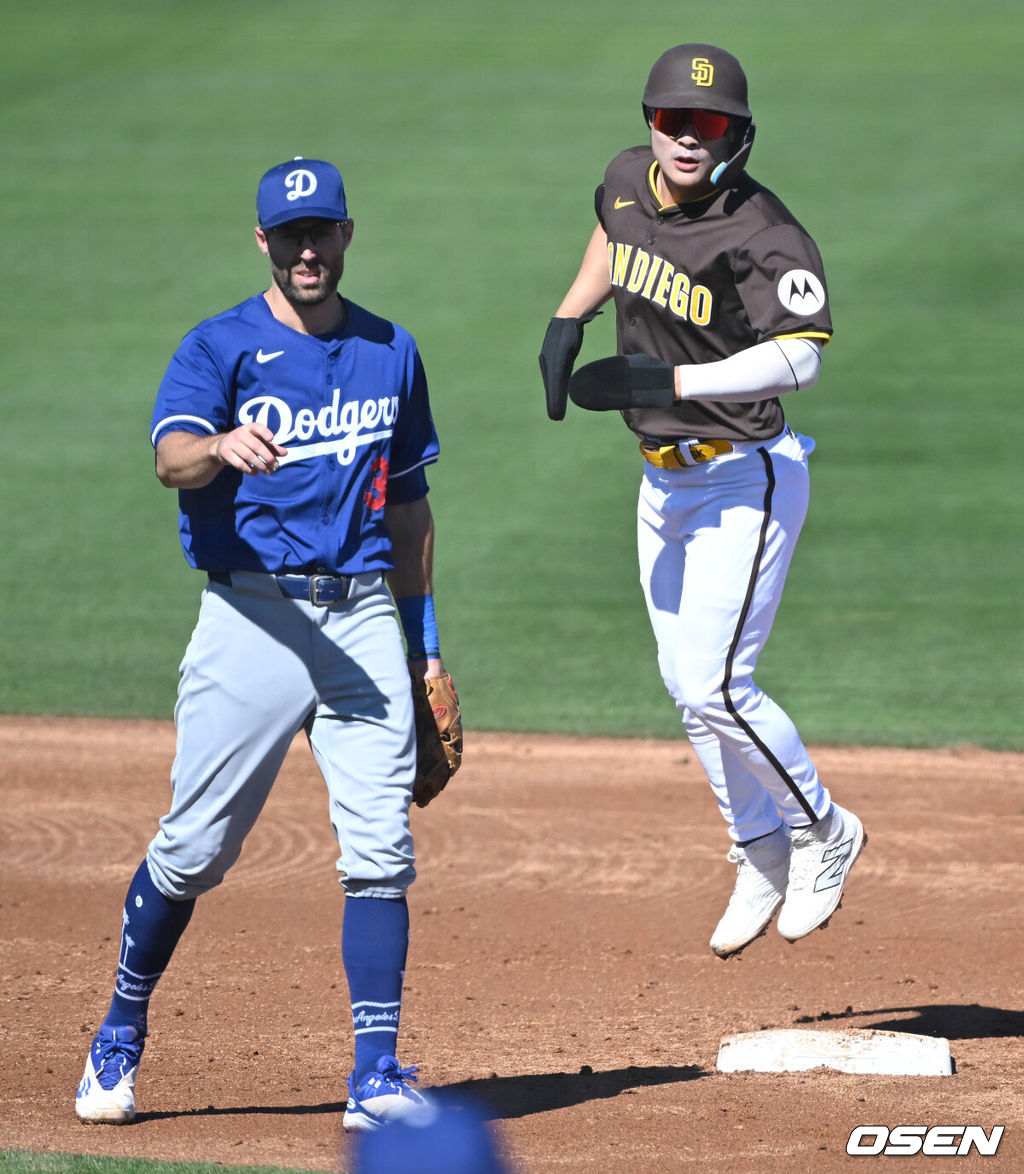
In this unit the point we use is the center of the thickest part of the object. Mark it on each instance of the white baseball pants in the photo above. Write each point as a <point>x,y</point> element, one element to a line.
<point>715,543</point>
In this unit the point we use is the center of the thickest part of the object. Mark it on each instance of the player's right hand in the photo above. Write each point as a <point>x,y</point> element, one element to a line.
<point>251,449</point>
<point>561,345</point>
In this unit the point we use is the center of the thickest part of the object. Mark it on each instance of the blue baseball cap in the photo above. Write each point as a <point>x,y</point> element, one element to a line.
<point>300,188</point>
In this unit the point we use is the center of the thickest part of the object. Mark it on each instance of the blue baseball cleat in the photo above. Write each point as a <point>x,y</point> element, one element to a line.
<point>106,1093</point>
<point>384,1096</point>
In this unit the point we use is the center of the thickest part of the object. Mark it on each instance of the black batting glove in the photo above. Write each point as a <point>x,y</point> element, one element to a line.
<point>558,352</point>
<point>624,381</point>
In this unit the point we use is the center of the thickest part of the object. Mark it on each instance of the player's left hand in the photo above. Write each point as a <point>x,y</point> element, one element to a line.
<point>438,735</point>
<point>622,382</point>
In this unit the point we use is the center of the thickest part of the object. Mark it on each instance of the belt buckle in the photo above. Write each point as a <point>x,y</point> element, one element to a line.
<point>327,589</point>
<point>702,453</point>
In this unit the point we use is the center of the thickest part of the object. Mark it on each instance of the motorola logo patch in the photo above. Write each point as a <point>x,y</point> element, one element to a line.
<point>801,293</point>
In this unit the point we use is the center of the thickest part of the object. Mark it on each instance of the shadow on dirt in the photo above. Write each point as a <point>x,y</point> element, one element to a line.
<point>948,1020</point>
<point>499,1097</point>
<point>507,1097</point>
<point>245,1111</point>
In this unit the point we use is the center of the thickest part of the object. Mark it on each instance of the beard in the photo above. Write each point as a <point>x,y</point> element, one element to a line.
<point>307,295</point>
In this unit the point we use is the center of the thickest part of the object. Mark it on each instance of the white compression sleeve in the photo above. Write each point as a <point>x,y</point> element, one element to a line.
<point>760,372</point>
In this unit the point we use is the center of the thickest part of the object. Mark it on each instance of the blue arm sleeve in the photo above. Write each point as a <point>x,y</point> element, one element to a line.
<point>419,625</point>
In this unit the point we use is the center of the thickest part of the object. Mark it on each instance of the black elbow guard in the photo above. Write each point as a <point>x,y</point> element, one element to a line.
<point>624,381</point>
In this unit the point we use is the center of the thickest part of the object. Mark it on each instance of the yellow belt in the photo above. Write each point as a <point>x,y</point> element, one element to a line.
<point>678,456</point>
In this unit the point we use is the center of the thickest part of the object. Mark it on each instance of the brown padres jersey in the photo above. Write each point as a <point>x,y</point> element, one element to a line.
<point>697,282</point>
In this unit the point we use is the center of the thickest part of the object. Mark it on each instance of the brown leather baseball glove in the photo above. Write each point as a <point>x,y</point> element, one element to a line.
<point>438,736</point>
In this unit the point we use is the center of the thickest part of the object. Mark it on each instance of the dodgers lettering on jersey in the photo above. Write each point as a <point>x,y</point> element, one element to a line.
<point>339,428</point>
<point>353,412</point>
<point>698,282</point>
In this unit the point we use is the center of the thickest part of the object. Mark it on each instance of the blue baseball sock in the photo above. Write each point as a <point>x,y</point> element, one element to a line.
<point>374,945</point>
<point>151,927</point>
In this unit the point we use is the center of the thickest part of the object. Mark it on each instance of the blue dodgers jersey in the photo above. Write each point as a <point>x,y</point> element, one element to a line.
<point>353,412</point>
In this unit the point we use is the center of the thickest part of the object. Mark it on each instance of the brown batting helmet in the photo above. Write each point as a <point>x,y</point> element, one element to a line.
<point>701,76</point>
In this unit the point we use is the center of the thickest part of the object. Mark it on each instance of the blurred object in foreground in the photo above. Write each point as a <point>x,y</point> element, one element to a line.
<point>449,1137</point>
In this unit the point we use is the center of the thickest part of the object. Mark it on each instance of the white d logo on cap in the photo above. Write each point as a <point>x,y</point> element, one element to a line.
<point>302,183</point>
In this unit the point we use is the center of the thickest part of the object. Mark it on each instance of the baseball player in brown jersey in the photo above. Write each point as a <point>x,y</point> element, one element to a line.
<point>721,307</point>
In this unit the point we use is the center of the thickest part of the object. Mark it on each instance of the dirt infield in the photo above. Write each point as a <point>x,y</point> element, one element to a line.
<point>559,968</point>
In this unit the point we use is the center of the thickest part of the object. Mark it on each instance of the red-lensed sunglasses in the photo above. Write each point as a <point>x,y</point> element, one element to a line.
<point>673,120</point>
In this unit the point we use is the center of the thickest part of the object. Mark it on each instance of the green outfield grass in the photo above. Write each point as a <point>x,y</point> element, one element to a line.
<point>471,139</point>
<point>20,1162</point>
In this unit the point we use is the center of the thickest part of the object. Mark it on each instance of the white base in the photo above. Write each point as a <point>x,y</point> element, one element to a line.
<point>892,1053</point>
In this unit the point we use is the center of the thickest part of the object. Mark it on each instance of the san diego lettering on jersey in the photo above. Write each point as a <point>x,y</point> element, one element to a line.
<point>657,280</point>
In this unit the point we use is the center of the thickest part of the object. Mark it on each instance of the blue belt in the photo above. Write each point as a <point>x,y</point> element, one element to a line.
<point>320,590</point>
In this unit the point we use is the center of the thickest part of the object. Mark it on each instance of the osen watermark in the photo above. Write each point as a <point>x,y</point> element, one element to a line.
<point>902,1141</point>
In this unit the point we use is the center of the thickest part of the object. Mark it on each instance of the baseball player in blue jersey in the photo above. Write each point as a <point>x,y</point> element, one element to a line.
<point>296,428</point>
<point>721,307</point>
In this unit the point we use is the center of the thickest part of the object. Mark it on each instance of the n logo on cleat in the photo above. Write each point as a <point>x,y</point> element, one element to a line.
<point>836,859</point>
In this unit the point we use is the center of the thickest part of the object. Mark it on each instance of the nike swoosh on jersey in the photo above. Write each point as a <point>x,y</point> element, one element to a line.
<point>264,357</point>
<point>621,203</point>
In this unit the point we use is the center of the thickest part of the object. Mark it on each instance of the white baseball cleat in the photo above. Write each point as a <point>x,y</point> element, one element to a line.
<point>106,1092</point>
<point>762,870</point>
<point>820,862</point>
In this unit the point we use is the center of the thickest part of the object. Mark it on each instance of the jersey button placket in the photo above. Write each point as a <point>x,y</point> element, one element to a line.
<point>331,468</point>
